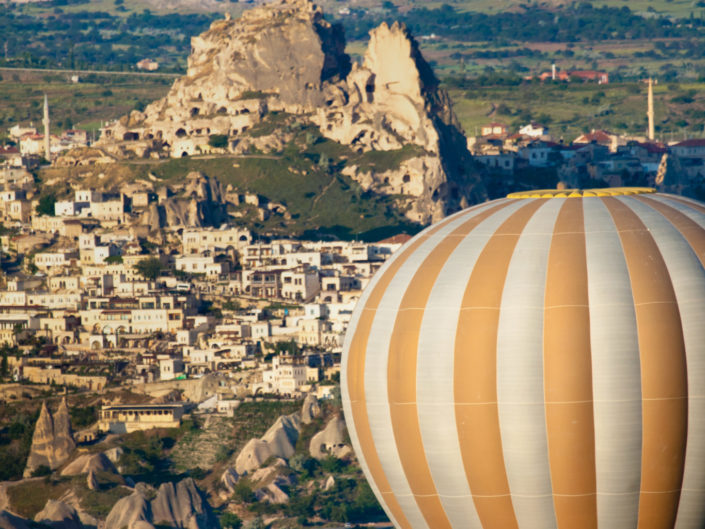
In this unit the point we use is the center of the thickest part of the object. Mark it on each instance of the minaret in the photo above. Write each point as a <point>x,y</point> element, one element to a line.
<point>650,110</point>
<point>47,139</point>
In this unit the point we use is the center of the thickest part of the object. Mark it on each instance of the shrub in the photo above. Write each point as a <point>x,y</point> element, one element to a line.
<point>219,141</point>
<point>41,470</point>
<point>149,268</point>
<point>244,493</point>
<point>229,520</point>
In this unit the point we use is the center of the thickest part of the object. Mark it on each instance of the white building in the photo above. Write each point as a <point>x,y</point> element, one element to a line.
<point>286,376</point>
<point>199,264</point>
<point>204,239</point>
<point>534,130</point>
<point>55,260</point>
<point>301,284</point>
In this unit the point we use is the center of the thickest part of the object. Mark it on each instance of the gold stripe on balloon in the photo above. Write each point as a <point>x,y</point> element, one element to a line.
<point>403,351</point>
<point>475,375</point>
<point>663,371</point>
<point>696,206</point>
<point>688,228</point>
<point>567,372</point>
<point>356,355</point>
<point>356,379</point>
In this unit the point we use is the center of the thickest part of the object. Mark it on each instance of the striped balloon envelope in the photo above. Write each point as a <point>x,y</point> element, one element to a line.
<point>537,362</point>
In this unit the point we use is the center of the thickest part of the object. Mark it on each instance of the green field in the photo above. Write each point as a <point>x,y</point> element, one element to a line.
<point>83,105</point>
<point>570,109</point>
<point>677,8</point>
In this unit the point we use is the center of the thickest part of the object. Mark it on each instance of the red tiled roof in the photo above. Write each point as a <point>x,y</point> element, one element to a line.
<point>693,142</point>
<point>599,136</point>
<point>654,148</point>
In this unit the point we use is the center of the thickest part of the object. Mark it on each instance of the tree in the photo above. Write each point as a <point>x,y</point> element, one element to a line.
<point>219,141</point>
<point>149,268</point>
<point>46,204</point>
<point>243,492</point>
<point>229,520</point>
<point>4,365</point>
<point>41,470</point>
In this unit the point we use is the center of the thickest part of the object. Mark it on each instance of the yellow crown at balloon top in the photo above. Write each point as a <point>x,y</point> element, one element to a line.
<point>580,193</point>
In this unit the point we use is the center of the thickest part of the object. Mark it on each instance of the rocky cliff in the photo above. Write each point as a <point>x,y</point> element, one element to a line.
<point>278,441</point>
<point>58,515</point>
<point>52,441</point>
<point>179,505</point>
<point>284,58</point>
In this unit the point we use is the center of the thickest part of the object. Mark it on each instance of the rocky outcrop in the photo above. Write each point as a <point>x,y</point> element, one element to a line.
<point>330,441</point>
<point>183,506</point>
<point>92,481</point>
<point>282,55</point>
<point>12,521</point>
<point>285,57</point>
<point>229,479</point>
<point>114,454</point>
<point>128,511</point>
<point>198,201</point>
<point>52,441</point>
<point>271,493</point>
<point>279,441</point>
<point>329,483</point>
<point>89,463</point>
<point>310,409</point>
<point>58,515</point>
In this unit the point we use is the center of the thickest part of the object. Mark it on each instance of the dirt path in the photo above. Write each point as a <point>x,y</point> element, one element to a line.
<point>323,192</point>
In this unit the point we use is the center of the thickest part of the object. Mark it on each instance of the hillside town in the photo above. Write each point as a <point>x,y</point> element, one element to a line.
<point>598,157</point>
<point>83,290</point>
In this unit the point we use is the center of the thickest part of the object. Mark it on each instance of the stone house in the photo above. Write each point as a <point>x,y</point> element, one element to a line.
<point>130,418</point>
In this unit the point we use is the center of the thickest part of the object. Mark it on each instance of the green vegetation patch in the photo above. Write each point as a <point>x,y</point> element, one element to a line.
<point>570,109</point>
<point>382,161</point>
<point>253,419</point>
<point>97,98</point>
<point>29,497</point>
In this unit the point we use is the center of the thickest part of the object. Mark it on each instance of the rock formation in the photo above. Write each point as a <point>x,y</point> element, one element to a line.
<point>114,454</point>
<point>128,511</point>
<point>284,57</point>
<point>12,521</point>
<point>271,493</point>
<point>330,441</point>
<point>329,483</point>
<point>229,479</point>
<point>58,515</point>
<point>89,463</point>
<point>310,409</point>
<point>279,441</point>
<point>52,441</point>
<point>183,506</point>
<point>92,481</point>
<point>198,201</point>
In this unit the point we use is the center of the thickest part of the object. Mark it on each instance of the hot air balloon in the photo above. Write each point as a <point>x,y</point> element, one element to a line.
<point>537,362</point>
